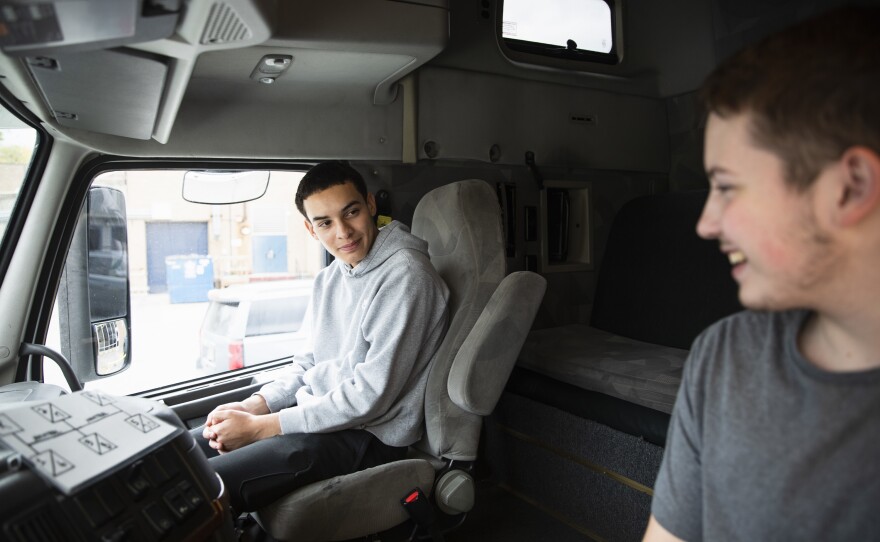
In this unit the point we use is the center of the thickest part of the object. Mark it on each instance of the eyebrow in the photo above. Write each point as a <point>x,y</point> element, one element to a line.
<point>344,209</point>
<point>715,170</point>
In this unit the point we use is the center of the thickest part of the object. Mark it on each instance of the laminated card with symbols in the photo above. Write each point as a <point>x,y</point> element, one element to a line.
<point>75,439</point>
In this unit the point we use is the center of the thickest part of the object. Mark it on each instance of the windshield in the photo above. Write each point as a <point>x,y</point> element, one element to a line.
<point>193,271</point>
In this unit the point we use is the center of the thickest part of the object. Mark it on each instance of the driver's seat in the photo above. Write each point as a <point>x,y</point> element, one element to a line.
<point>490,316</point>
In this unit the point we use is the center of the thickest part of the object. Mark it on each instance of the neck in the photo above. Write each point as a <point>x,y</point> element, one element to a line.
<point>843,334</point>
<point>844,342</point>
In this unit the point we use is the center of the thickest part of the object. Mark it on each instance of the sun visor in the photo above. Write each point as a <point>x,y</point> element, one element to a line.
<point>29,28</point>
<point>114,92</point>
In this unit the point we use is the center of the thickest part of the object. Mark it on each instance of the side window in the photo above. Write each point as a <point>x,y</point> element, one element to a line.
<point>17,144</point>
<point>193,272</point>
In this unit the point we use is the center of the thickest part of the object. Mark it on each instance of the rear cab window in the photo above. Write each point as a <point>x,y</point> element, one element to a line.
<point>573,31</point>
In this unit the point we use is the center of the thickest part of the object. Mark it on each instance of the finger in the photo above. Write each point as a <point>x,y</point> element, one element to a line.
<point>227,406</point>
<point>221,448</point>
<point>218,416</point>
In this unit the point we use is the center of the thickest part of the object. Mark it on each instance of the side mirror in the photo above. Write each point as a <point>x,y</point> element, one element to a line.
<point>94,303</point>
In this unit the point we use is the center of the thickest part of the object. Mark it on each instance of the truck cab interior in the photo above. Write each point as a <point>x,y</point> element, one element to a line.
<point>570,134</point>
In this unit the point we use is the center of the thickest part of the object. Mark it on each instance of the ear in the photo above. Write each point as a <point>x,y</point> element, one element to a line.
<point>371,203</point>
<point>310,228</point>
<point>860,185</point>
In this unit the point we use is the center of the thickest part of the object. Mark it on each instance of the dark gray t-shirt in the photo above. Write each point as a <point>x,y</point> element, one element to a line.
<point>763,445</point>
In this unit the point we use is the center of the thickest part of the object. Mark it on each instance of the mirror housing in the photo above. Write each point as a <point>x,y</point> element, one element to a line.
<point>220,186</point>
<point>94,299</point>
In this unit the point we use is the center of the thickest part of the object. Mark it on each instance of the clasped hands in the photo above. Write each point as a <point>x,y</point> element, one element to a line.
<point>234,425</point>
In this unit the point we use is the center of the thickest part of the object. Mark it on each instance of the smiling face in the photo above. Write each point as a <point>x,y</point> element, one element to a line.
<point>342,220</point>
<point>780,256</point>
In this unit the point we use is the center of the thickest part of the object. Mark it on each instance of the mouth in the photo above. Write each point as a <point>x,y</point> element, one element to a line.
<point>736,257</point>
<point>351,247</point>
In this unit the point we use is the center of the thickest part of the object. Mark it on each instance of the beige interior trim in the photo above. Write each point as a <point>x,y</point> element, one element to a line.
<point>410,120</point>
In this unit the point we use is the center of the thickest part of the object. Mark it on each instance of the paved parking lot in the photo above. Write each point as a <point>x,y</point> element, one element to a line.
<point>165,345</point>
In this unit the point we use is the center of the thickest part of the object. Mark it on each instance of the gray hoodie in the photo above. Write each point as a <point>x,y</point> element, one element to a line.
<point>375,327</point>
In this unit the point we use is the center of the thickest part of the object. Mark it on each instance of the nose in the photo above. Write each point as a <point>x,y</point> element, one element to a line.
<point>343,230</point>
<point>708,226</point>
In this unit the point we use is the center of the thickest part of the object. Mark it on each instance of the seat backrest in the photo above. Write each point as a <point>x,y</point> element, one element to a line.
<point>462,224</point>
<point>658,281</point>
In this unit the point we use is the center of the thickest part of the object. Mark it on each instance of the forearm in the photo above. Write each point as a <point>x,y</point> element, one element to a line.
<point>256,404</point>
<point>657,533</point>
<point>267,425</point>
<point>281,392</point>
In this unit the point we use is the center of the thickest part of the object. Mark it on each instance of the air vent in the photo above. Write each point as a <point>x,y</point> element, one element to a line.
<point>40,525</point>
<point>224,26</point>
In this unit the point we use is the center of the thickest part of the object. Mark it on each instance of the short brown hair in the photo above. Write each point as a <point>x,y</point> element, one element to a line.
<point>813,90</point>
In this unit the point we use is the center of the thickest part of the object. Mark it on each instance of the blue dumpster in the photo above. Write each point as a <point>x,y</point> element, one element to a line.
<point>189,278</point>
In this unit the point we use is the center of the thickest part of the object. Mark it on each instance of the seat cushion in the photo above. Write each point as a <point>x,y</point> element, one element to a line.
<point>642,373</point>
<point>347,506</point>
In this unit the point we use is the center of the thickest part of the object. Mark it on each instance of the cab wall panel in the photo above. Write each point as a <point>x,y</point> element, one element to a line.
<point>465,113</point>
<point>569,295</point>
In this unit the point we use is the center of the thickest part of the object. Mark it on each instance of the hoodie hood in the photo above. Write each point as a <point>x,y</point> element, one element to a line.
<point>391,239</point>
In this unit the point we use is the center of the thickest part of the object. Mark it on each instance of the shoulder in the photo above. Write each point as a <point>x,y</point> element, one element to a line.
<point>409,256</point>
<point>326,275</point>
<point>411,268</point>
<point>411,263</point>
<point>742,346</point>
<point>748,327</point>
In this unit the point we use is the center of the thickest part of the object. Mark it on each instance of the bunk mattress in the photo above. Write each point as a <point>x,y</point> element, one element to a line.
<point>637,372</point>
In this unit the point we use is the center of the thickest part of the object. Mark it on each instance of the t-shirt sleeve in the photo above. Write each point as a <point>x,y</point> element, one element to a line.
<point>678,498</point>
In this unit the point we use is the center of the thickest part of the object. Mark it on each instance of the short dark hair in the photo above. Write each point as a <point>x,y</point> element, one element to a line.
<point>324,175</point>
<point>812,91</point>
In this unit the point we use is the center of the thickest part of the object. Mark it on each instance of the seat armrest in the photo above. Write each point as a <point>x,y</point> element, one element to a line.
<point>488,354</point>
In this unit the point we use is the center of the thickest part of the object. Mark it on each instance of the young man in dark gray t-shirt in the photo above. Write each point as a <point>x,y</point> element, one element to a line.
<point>776,429</point>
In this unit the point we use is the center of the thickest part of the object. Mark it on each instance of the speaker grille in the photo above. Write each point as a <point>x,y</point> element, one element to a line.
<point>224,26</point>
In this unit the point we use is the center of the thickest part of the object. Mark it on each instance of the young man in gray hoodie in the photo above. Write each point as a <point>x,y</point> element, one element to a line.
<point>378,314</point>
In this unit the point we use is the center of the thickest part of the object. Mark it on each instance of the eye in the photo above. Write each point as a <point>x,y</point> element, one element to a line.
<point>723,188</point>
<point>352,212</point>
<point>323,223</point>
